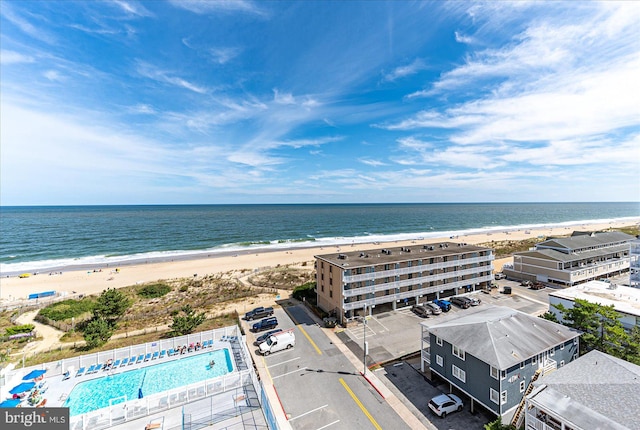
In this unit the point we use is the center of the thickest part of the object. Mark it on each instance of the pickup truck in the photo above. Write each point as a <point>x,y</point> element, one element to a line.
<point>265,324</point>
<point>258,313</point>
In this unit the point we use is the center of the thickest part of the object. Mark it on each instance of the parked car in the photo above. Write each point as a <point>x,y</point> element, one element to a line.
<point>499,276</point>
<point>435,309</point>
<point>537,286</point>
<point>258,313</point>
<point>265,324</point>
<point>266,335</point>
<point>443,304</point>
<point>421,311</point>
<point>474,301</point>
<point>278,342</point>
<point>461,302</point>
<point>445,404</point>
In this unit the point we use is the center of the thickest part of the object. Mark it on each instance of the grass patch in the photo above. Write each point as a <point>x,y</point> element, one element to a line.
<point>153,291</point>
<point>67,309</point>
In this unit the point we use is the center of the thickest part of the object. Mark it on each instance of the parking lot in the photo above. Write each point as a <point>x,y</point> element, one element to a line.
<point>318,387</point>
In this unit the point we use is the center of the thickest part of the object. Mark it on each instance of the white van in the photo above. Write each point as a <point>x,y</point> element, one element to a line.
<point>278,341</point>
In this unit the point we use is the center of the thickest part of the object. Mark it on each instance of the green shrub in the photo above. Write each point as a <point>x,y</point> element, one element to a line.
<point>67,309</point>
<point>153,291</point>
<point>17,329</point>
<point>305,291</point>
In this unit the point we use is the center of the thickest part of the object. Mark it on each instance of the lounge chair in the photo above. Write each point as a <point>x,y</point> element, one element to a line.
<point>209,343</point>
<point>147,357</point>
<point>115,364</point>
<point>125,361</point>
<point>140,358</point>
<point>163,353</point>
<point>155,355</point>
<point>132,360</point>
<point>98,367</point>
<point>172,352</point>
<point>80,372</point>
<point>91,369</point>
<point>66,375</point>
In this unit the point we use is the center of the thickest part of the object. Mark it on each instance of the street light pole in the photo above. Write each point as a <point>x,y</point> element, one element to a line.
<point>364,337</point>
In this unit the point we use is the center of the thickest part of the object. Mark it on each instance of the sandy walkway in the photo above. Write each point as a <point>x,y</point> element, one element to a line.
<point>50,335</point>
<point>91,282</point>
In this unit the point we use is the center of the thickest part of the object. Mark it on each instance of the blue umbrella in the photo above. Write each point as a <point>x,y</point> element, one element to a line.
<point>11,403</point>
<point>34,374</point>
<point>21,388</point>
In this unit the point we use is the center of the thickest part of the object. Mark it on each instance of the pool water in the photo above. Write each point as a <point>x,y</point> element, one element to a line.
<point>96,393</point>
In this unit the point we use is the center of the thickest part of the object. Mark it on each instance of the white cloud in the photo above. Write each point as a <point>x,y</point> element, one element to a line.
<point>53,75</point>
<point>224,55</point>
<point>460,38</point>
<point>283,98</point>
<point>25,26</point>
<point>148,71</point>
<point>403,71</point>
<point>206,6</point>
<point>12,57</point>
<point>372,163</point>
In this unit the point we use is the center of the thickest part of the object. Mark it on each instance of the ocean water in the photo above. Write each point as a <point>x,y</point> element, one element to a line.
<point>54,238</point>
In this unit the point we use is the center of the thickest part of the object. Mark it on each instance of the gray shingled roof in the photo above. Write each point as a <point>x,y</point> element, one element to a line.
<point>552,254</point>
<point>586,240</point>
<point>501,336</point>
<point>596,391</point>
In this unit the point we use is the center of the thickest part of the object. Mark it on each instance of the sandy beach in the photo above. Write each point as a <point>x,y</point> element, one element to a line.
<point>94,281</point>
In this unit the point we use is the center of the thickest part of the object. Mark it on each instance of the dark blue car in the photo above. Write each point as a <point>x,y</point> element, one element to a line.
<point>445,305</point>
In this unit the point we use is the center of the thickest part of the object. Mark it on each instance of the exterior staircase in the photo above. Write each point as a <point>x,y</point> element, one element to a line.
<point>518,417</point>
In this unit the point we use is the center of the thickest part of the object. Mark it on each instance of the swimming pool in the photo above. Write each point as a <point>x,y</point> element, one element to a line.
<point>120,387</point>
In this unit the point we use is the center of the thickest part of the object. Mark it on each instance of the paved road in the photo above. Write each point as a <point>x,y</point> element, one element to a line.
<point>319,388</point>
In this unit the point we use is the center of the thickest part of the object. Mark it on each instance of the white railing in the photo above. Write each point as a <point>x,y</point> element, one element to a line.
<point>136,408</point>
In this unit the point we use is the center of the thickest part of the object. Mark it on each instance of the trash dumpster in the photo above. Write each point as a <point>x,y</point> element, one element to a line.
<point>507,290</point>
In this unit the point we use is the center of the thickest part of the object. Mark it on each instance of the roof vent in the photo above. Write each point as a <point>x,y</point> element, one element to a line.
<point>386,251</point>
<point>342,256</point>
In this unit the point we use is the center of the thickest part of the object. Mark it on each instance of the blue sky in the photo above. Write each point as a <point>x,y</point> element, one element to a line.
<point>124,102</point>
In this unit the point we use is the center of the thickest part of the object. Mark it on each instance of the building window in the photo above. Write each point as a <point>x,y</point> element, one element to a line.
<point>561,363</point>
<point>493,394</point>
<point>330,293</point>
<point>458,373</point>
<point>438,341</point>
<point>503,374</point>
<point>522,386</point>
<point>503,397</point>
<point>439,360</point>
<point>494,372</point>
<point>562,347</point>
<point>552,352</point>
<point>534,360</point>
<point>522,365</point>
<point>575,340</point>
<point>457,352</point>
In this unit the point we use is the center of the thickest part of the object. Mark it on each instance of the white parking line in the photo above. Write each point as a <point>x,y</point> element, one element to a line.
<point>308,412</point>
<point>284,362</point>
<point>289,373</point>
<point>330,424</point>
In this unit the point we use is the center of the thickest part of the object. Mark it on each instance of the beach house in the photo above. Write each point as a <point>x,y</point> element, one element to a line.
<point>392,277</point>
<point>596,391</point>
<point>494,354</point>
<point>567,261</point>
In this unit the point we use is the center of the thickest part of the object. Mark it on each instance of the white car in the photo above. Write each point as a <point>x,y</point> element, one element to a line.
<point>445,404</point>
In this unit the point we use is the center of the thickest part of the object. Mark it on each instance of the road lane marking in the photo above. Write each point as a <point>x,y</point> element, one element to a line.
<point>308,412</point>
<point>306,335</point>
<point>329,425</point>
<point>285,362</point>
<point>366,412</point>
<point>289,373</point>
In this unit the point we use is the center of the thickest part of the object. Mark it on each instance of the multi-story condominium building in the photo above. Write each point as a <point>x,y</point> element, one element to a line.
<point>634,270</point>
<point>596,391</point>
<point>492,355</point>
<point>625,300</point>
<point>399,276</point>
<point>568,261</point>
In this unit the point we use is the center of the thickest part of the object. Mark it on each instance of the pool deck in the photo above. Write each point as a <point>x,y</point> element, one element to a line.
<point>59,388</point>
